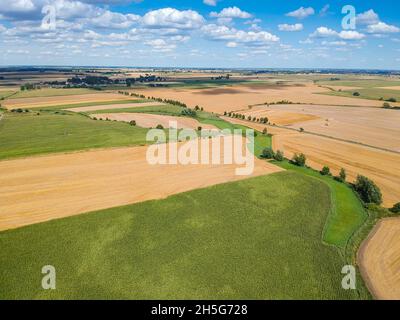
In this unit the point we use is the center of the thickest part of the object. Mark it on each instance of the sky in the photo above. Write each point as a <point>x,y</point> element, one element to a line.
<point>201,33</point>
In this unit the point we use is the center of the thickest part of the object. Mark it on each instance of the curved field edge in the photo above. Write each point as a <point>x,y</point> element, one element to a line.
<point>347,214</point>
<point>255,239</point>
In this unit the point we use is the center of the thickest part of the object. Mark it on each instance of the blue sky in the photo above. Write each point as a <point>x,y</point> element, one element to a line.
<point>200,33</point>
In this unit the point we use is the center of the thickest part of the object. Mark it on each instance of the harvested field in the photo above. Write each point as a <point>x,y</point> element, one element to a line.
<point>379,260</point>
<point>380,166</point>
<point>371,126</point>
<point>43,188</point>
<point>63,100</point>
<point>238,97</point>
<point>115,106</point>
<point>391,88</point>
<point>146,120</point>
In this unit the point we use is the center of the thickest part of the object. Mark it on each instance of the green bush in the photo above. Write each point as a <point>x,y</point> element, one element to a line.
<point>279,156</point>
<point>356,94</point>
<point>265,131</point>
<point>369,192</point>
<point>342,175</point>
<point>299,159</point>
<point>188,112</point>
<point>132,123</point>
<point>396,208</point>
<point>159,126</point>
<point>326,171</point>
<point>267,153</point>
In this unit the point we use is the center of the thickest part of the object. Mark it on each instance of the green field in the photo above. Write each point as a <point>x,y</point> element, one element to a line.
<point>347,214</point>
<point>256,239</point>
<point>370,94</point>
<point>31,134</point>
<point>363,83</point>
<point>368,89</point>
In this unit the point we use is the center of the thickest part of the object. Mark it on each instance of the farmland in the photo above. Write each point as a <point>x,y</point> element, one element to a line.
<point>74,175</point>
<point>207,229</point>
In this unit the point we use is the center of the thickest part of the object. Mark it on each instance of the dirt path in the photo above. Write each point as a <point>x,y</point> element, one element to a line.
<point>379,260</point>
<point>43,188</point>
<point>380,166</point>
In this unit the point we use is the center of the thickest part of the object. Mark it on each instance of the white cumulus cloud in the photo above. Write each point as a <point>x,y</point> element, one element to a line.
<point>173,18</point>
<point>382,27</point>
<point>301,13</point>
<point>231,13</point>
<point>290,27</point>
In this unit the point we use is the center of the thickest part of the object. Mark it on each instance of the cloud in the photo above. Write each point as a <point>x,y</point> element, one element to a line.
<point>173,18</point>
<point>291,27</point>
<point>2,28</point>
<point>382,27</point>
<point>251,38</point>
<point>334,43</point>
<point>110,19</point>
<point>324,32</point>
<point>351,35</point>
<point>231,44</point>
<point>212,3</point>
<point>231,13</point>
<point>160,45</point>
<point>367,18</point>
<point>301,13</point>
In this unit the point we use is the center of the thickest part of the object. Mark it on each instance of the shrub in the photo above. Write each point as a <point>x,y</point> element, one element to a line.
<point>392,100</point>
<point>265,131</point>
<point>343,174</point>
<point>159,126</point>
<point>369,192</point>
<point>387,105</point>
<point>199,128</point>
<point>279,156</point>
<point>132,123</point>
<point>396,208</point>
<point>188,112</point>
<point>301,129</point>
<point>326,171</point>
<point>356,94</point>
<point>267,153</point>
<point>299,159</point>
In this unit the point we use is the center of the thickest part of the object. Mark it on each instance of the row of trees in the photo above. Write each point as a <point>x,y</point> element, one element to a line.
<point>263,120</point>
<point>367,190</point>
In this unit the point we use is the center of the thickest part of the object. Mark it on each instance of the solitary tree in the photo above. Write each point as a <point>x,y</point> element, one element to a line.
<point>267,153</point>
<point>299,159</point>
<point>326,171</point>
<point>279,156</point>
<point>342,175</point>
<point>369,192</point>
<point>132,123</point>
<point>396,208</point>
